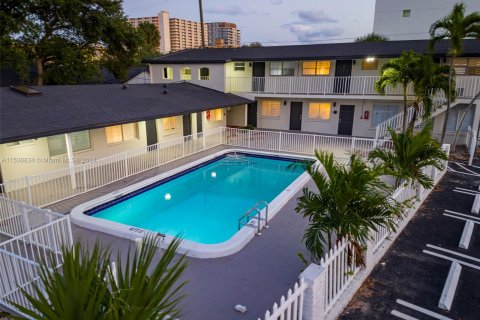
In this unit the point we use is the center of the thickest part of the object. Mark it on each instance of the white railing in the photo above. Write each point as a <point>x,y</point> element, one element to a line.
<point>290,308</point>
<point>471,144</point>
<point>33,235</point>
<point>467,86</point>
<point>53,186</point>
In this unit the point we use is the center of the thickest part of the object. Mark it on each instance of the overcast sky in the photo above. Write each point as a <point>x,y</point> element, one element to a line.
<point>273,22</point>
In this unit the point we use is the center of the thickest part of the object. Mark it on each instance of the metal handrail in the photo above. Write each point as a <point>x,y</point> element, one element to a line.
<point>257,215</point>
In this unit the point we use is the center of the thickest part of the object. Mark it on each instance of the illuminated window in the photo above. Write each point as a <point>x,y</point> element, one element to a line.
<point>204,73</point>
<point>186,73</point>
<point>271,109</point>
<point>316,68</point>
<point>215,115</point>
<point>169,123</point>
<point>370,64</point>
<point>58,146</point>
<point>21,143</point>
<point>466,66</point>
<point>285,68</point>
<point>121,133</point>
<point>319,110</point>
<point>167,73</point>
<point>239,66</point>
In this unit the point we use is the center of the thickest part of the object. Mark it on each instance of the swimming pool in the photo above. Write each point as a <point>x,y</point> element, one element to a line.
<point>202,202</point>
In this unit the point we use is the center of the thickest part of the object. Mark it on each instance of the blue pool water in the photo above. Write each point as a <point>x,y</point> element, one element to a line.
<point>204,205</point>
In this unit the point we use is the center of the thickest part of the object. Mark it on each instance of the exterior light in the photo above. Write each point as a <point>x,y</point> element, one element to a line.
<point>168,196</point>
<point>370,59</point>
<point>214,174</point>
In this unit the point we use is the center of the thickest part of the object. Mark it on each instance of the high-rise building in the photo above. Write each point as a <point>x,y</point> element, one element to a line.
<point>226,31</point>
<point>411,19</point>
<point>180,34</point>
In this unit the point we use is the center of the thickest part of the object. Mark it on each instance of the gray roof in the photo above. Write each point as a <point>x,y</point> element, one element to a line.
<point>62,109</point>
<point>351,50</point>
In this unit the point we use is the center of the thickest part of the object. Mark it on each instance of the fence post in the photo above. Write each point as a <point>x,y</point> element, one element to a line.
<point>183,147</point>
<point>125,161</point>
<point>203,140</point>
<point>352,149</point>
<point>26,223</point>
<point>249,137</point>
<point>369,255</point>
<point>84,177</point>
<point>314,142</point>
<point>314,299</point>
<point>29,191</point>
<point>280,141</point>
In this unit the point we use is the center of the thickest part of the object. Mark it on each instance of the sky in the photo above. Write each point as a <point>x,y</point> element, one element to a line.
<point>272,22</point>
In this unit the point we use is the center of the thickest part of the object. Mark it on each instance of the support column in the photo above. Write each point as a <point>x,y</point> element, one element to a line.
<point>71,160</point>
<point>193,123</point>
<point>314,298</point>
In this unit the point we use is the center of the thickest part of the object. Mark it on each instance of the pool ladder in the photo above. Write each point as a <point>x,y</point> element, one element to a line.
<point>255,213</point>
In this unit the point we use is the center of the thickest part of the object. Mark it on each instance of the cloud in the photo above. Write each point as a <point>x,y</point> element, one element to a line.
<point>318,16</point>
<point>308,32</point>
<point>229,11</point>
<point>276,2</point>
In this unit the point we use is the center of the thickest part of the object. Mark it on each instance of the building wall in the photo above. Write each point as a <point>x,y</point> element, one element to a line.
<point>226,31</point>
<point>210,124</point>
<point>389,20</point>
<point>237,116</point>
<point>164,30</point>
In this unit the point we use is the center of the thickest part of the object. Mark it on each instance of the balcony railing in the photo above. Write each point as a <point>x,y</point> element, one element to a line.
<point>467,86</point>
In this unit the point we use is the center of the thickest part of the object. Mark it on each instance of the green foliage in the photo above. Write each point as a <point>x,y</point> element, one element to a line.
<point>371,37</point>
<point>350,201</point>
<point>149,38</point>
<point>410,154</point>
<point>85,288</point>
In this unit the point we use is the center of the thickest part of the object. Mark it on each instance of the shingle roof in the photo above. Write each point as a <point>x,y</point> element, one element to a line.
<point>351,50</point>
<point>61,109</point>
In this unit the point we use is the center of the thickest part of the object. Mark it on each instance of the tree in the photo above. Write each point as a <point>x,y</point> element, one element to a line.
<point>85,287</point>
<point>68,40</point>
<point>399,71</point>
<point>371,37</point>
<point>349,203</point>
<point>252,45</point>
<point>456,26</point>
<point>149,39</point>
<point>410,154</point>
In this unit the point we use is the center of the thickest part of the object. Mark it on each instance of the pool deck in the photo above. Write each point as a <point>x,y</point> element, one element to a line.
<point>256,276</point>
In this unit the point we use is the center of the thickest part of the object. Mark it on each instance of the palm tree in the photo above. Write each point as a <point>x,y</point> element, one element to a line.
<point>86,288</point>
<point>349,203</point>
<point>371,37</point>
<point>456,26</point>
<point>399,71</point>
<point>410,154</point>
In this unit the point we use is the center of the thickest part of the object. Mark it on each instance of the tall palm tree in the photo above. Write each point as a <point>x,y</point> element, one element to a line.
<point>350,202</point>
<point>85,287</point>
<point>399,71</point>
<point>410,154</point>
<point>456,26</point>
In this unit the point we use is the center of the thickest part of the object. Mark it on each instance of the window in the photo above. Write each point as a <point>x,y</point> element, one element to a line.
<point>316,68</point>
<point>239,66</point>
<point>382,113</point>
<point>370,64</point>
<point>455,116</point>
<point>204,73</point>
<point>215,115</point>
<point>466,66</point>
<point>21,143</point>
<point>57,145</point>
<point>169,123</point>
<point>286,68</point>
<point>406,13</point>
<point>121,133</point>
<point>271,109</point>
<point>319,110</point>
<point>186,73</point>
<point>167,73</point>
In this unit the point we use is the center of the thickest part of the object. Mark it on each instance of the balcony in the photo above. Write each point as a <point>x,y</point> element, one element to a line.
<point>467,86</point>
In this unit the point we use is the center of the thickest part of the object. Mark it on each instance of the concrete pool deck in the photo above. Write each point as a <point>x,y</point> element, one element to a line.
<point>256,276</point>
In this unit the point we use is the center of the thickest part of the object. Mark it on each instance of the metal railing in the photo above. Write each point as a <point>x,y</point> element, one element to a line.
<point>255,213</point>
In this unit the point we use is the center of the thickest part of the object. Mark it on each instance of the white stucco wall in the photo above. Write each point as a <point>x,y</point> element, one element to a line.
<point>237,116</point>
<point>208,124</point>
<point>170,134</point>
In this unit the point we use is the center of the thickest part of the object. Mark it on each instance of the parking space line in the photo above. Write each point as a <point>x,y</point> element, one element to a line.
<point>464,215</point>
<point>402,315</point>
<point>422,310</point>
<point>464,192</point>
<point>468,190</point>
<point>451,259</point>
<point>466,169</point>
<point>460,218</point>
<point>468,174</point>
<point>453,252</point>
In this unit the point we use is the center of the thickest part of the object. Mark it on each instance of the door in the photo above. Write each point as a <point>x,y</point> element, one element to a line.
<point>187,125</point>
<point>258,72</point>
<point>343,72</point>
<point>151,128</point>
<point>296,115</point>
<point>345,121</point>
<point>252,114</point>
<point>199,122</point>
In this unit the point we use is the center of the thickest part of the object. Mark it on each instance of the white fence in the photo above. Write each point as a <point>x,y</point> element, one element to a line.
<point>31,235</point>
<point>290,308</point>
<point>329,286</point>
<point>471,144</point>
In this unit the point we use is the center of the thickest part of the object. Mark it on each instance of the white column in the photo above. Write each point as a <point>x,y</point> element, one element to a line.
<point>193,123</point>
<point>314,297</point>
<point>71,160</point>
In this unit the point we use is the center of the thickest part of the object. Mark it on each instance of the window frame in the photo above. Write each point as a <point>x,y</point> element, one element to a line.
<point>170,128</point>
<point>186,76</point>
<point>270,116</point>
<point>207,77</point>
<point>320,104</point>
<point>136,137</point>
<point>167,73</point>
<point>239,66</point>
<point>406,13</point>
<point>282,70</point>
<point>74,150</point>
<point>364,62</point>
<point>385,112</point>
<point>316,68</point>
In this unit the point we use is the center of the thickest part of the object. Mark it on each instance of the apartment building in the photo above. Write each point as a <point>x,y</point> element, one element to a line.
<point>323,88</point>
<point>411,19</point>
<point>225,31</point>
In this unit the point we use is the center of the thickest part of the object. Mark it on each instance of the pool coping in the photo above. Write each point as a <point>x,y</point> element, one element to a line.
<point>188,247</point>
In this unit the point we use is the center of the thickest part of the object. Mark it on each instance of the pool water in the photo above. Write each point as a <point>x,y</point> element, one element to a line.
<point>204,205</point>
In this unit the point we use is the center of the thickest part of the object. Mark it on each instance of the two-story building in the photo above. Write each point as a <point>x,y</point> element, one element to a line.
<point>322,88</point>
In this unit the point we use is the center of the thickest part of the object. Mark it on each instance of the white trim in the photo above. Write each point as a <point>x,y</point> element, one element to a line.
<point>451,259</point>
<point>422,310</point>
<point>462,214</point>
<point>190,248</point>
<point>453,252</point>
<point>402,315</point>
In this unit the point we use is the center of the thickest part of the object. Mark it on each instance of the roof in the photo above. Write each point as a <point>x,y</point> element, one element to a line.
<point>62,109</point>
<point>351,50</point>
